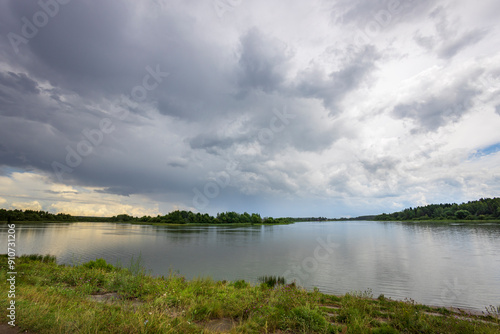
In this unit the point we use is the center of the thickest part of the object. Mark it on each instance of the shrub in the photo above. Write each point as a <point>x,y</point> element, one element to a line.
<point>99,264</point>
<point>308,320</point>
<point>462,214</point>
<point>240,284</point>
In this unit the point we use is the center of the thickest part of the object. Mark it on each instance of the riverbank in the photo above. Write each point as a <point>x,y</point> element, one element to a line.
<point>147,223</point>
<point>99,297</point>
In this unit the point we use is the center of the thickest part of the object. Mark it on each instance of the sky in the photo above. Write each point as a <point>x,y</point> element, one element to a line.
<point>284,108</point>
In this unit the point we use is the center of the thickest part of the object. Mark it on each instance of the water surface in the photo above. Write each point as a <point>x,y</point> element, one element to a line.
<point>435,264</point>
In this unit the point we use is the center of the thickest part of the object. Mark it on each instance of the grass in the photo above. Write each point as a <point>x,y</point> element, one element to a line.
<point>96,297</point>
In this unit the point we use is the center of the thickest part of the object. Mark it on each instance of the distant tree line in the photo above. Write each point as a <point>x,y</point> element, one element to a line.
<point>310,219</point>
<point>367,217</point>
<point>188,217</point>
<point>33,215</point>
<point>174,217</point>
<point>483,209</point>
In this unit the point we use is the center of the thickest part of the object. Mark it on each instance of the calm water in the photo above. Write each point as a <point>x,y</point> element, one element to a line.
<point>445,265</point>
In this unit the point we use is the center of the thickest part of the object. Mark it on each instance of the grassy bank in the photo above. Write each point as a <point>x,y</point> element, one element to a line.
<point>97,297</point>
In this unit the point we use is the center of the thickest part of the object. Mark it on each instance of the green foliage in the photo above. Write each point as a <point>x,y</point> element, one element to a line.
<point>271,220</point>
<point>485,208</point>
<point>384,329</point>
<point>33,215</point>
<point>462,214</point>
<point>41,258</point>
<point>99,264</point>
<point>122,218</point>
<point>307,320</point>
<point>241,284</point>
<point>271,281</point>
<point>174,217</point>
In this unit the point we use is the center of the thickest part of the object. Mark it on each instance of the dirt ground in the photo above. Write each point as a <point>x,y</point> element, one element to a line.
<point>8,329</point>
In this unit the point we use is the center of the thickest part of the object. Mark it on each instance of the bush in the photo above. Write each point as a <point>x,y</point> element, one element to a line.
<point>99,264</point>
<point>240,284</point>
<point>308,320</point>
<point>462,214</point>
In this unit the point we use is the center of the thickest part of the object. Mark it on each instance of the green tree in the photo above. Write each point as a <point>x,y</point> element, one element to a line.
<point>462,214</point>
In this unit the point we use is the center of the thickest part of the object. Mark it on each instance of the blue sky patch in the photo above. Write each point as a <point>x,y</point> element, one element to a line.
<point>488,150</point>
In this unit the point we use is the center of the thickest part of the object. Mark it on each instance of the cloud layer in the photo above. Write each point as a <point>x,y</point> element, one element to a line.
<point>286,108</point>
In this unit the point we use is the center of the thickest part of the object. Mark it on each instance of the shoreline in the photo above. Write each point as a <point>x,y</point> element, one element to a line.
<point>145,223</point>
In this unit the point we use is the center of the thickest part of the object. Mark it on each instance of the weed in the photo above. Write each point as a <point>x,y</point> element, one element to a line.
<point>493,310</point>
<point>41,258</point>
<point>272,281</point>
<point>240,284</point>
<point>99,264</point>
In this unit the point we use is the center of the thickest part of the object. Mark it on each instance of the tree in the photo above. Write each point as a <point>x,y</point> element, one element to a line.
<point>462,214</point>
<point>256,219</point>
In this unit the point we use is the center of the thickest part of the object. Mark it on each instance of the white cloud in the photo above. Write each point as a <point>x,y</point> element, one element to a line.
<point>34,205</point>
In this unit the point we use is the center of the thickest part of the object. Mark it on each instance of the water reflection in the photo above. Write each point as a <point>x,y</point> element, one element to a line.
<point>438,264</point>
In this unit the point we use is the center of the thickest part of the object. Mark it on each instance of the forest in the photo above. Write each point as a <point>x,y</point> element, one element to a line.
<point>189,217</point>
<point>483,209</point>
<point>174,217</point>
<point>33,215</point>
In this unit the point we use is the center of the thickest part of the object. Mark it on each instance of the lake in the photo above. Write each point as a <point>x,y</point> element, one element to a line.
<point>435,264</point>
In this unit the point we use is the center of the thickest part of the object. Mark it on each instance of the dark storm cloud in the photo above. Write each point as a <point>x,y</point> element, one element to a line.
<point>442,107</point>
<point>439,108</point>
<point>106,56</point>
<point>73,51</point>
<point>332,88</point>
<point>179,163</point>
<point>38,131</point>
<point>33,127</point>
<point>262,62</point>
<point>88,62</point>
<point>122,191</point>
<point>212,142</point>
<point>276,123</point>
<point>387,13</point>
<point>382,166</point>
<point>18,81</point>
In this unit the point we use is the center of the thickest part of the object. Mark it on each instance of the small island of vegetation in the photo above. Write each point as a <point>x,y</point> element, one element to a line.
<point>174,218</point>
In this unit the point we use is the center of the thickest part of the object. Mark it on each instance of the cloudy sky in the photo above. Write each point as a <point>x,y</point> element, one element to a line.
<point>285,108</point>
